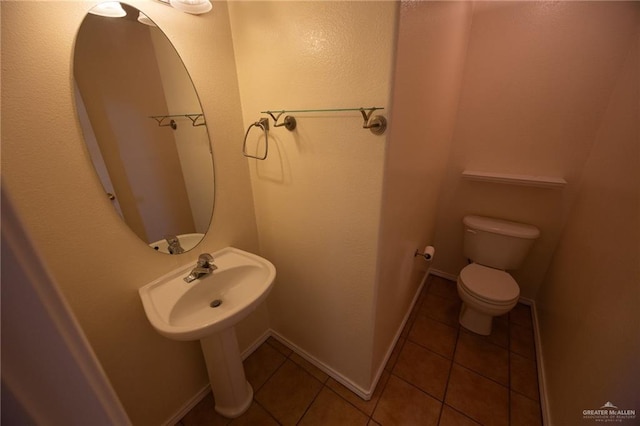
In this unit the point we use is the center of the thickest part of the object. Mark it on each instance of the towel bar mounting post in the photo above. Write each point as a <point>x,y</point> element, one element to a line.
<point>289,122</point>
<point>377,125</point>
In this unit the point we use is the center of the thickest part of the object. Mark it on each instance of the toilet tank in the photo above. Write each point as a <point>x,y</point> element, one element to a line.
<point>497,243</point>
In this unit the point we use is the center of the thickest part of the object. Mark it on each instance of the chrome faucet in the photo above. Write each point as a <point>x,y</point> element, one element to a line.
<point>204,266</point>
<point>174,246</point>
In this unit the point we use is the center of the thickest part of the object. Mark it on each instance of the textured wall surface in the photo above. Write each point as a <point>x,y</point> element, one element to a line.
<point>537,78</point>
<point>588,303</point>
<point>431,47</point>
<point>318,194</point>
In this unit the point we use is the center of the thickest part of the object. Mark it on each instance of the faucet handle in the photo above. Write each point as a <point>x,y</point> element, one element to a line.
<point>205,260</point>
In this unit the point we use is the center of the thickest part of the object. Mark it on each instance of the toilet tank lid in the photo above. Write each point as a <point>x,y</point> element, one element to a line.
<point>502,227</point>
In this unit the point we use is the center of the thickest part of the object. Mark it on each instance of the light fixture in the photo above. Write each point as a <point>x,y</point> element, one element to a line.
<point>109,9</point>
<point>144,19</point>
<point>195,7</point>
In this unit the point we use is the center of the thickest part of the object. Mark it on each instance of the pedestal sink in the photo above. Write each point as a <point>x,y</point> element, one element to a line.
<point>207,310</point>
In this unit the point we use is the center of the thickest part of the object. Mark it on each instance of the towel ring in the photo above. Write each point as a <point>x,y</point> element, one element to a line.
<point>263,123</point>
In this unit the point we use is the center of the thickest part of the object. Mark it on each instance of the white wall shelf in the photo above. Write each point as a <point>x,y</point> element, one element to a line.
<point>512,179</point>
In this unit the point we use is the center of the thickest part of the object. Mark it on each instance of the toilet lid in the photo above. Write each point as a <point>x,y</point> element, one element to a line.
<point>489,284</point>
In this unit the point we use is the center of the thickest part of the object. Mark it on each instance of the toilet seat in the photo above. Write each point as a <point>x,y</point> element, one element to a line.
<point>489,285</point>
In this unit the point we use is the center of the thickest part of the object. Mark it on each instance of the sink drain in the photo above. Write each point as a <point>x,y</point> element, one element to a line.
<point>215,303</point>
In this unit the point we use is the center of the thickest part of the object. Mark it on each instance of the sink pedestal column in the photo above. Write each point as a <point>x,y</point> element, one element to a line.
<point>232,393</point>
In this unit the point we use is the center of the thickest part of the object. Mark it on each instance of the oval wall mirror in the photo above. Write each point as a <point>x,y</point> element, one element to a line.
<point>144,128</point>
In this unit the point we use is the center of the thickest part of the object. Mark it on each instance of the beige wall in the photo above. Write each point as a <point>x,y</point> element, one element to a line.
<point>431,46</point>
<point>588,303</point>
<point>537,77</point>
<point>97,261</point>
<point>318,194</point>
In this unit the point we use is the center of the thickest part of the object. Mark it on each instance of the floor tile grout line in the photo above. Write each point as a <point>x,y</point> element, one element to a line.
<point>460,412</point>
<point>446,386</point>
<point>403,343</point>
<point>266,411</point>
<point>471,333</point>
<point>384,387</point>
<point>311,403</point>
<point>273,373</point>
<point>368,416</point>
<point>417,388</point>
<point>323,385</point>
<point>481,375</point>
<point>525,396</point>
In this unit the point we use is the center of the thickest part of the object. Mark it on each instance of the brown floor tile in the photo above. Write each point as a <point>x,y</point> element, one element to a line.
<point>409,323</point>
<point>521,315</point>
<point>310,368</point>
<point>204,413</point>
<point>451,417</point>
<point>366,407</point>
<point>524,376</point>
<point>424,369</point>
<point>404,405</point>
<point>492,380</point>
<point>504,317</point>
<point>443,288</point>
<point>288,393</point>
<point>261,364</point>
<point>254,416</point>
<point>275,343</point>
<point>521,341</point>
<point>483,357</point>
<point>524,411</point>
<point>330,409</point>
<point>499,333</point>
<point>477,397</point>
<point>441,309</point>
<point>434,335</point>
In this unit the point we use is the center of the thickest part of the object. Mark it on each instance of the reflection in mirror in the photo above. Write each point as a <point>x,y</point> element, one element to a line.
<point>144,128</point>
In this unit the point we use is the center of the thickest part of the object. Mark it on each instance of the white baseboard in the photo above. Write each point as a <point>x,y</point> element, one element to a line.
<point>353,387</point>
<point>255,345</point>
<point>399,332</point>
<point>188,406</point>
<point>443,274</point>
<point>544,401</point>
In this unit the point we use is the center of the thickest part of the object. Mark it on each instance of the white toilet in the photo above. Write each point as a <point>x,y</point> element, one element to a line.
<point>486,290</point>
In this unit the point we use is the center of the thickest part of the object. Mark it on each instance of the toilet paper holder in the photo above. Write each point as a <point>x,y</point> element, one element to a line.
<point>427,254</point>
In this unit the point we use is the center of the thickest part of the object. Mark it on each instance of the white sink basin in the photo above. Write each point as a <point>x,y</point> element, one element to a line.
<point>185,311</point>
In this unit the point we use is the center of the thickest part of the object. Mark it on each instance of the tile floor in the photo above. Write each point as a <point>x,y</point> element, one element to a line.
<point>438,374</point>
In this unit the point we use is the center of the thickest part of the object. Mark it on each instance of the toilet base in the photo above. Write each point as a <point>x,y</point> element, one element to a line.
<point>474,320</point>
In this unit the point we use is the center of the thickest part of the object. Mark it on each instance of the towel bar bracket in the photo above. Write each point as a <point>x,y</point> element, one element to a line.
<point>377,125</point>
<point>289,122</point>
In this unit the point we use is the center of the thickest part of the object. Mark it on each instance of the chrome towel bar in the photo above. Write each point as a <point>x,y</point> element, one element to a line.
<point>376,124</point>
